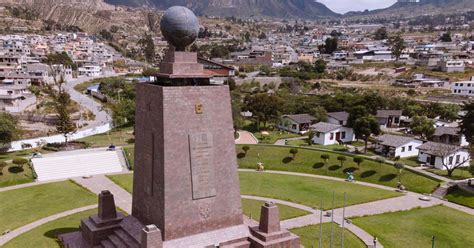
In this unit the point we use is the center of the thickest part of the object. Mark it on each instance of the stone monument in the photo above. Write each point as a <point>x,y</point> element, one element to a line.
<point>186,187</point>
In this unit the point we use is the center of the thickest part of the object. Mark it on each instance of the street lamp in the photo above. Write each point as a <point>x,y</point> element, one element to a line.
<point>433,239</point>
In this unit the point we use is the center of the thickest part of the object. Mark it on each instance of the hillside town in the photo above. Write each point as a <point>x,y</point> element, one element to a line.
<point>217,126</point>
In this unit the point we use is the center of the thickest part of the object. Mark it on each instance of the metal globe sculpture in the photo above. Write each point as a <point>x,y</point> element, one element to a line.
<point>180,27</point>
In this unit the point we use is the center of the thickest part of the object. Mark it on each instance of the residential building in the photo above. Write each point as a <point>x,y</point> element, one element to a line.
<point>449,135</point>
<point>90,71</point>
<point>389,118</point>
<point>296,123</point>
<point>440,156</point>
<point>15,98</point>
<point>452,66</point>
<point>463,88</point>
<point>397,146</point>
<point>330,134</point>
<point>338,118</point>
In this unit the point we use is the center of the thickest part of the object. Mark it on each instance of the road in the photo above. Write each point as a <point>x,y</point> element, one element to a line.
<point>101,115</point>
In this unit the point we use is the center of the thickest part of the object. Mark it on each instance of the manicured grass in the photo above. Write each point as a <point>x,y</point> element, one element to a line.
<point>118,137</point>
<point>459,174</point>
<point>253,208</point>
<point>22,206</point>
<point>309,236</point>
<point>274,136</point>
<point>308,191</point>
<point>309,161</point>
<point>410,161</point>
<point>303,190</point>
<point>415,228</point>
<point>130,153</point>
<point>45,236</point>
<point>461,197</point>
<point>304,143</point>
<point>123,180</point>
<point>13,175</point>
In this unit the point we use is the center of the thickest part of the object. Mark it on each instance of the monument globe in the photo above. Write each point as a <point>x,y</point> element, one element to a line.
<point>180,27</point>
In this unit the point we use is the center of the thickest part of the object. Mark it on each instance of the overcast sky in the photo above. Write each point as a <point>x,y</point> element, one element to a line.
<point>343,6</point>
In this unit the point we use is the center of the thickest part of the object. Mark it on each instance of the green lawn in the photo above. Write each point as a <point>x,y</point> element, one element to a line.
<point>461,197</point>
<point>415,228</point>
<point>309,236</point>
<point>22,206</point>
<point>45,236</point>
<point>253,208</point>
<point>118,137</point>
<point>304,143</point>
<point>123,180</point>
<point>274,136</point>
<point>308,191</point>
<point>309,161</point>
<point>303,190</point>
<point>459,174</point>
<point>13,175</point>
<point>410,161</point>
<point>130,153</point>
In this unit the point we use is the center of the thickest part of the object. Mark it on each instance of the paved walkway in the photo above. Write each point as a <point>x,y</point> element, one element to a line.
<point>246,138</point>
<point>5,238</point>
<point>98,183</point>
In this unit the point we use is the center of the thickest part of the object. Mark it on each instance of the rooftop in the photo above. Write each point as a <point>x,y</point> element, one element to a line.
<point>438,149</point>
<point>301,118</point>
<point>393,140</point>
<point>388,113</point>
<point>340,116</point>
<point>324,127</point>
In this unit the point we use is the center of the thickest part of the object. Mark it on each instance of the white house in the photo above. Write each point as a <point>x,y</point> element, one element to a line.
<point>439,155</point>
<point>450,135</point>
<point>330,134</point>
<point>338,118</point>
<point>90,71</point>
<point>296,123</point>
<point>463,88</point>
<point>452,66</point>
<point>397,146</point>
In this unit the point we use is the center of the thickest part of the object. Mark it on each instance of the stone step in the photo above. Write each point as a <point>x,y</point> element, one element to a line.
<point>441,192</point>
<point>241,244</point>
<point>107,244</point>
<point>116,241</point>
<point>126,238</point>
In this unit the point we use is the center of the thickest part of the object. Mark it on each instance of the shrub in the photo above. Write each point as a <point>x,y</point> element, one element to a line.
<point>293,152</point>
<point>380,160</point>
<point>358,161</point>
<point>20,162</point>
<point>2,165</point>
<point>246,149</point>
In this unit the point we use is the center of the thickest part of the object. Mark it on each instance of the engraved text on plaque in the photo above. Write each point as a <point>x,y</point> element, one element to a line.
<point>202,167</point>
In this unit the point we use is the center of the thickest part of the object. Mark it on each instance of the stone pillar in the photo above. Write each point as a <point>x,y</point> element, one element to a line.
<point>107,208</point>
<point>151,237</point>
<point>269,218</point>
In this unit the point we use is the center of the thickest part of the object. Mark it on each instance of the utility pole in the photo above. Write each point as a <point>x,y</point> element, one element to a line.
<point>321,223</point>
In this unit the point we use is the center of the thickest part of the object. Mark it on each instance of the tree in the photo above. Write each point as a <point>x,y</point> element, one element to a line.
<point>358,161</point>
<point>60,59</point>
<point>320,113</point>
<point>3,164</point>
<point>366,126</point>
<point>246,149</point>
<point>310,138</point>
<point>320,66</point>
<point>20,162</point>
<point>331,45</point>
<point>397,44</point>
<point>325,158</point>
<point>342,159</point>
<point>449,161</point>
<point>471,169</point>
<point>262,36</point>
<point>106,35</point>
<point>399,166</point>
<point>293,152</point>
<point>148,48</point>
<point>467,121</point>
<point>264,107</point>
<point>381,34</point>
<point>123,112</point>
<point>446,37</point>
<point>64,125</point>
<point>356,113</point>
<point>422,126</point>
<point>8,128</point>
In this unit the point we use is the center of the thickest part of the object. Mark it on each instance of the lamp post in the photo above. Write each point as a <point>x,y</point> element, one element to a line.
<point>433,240</point>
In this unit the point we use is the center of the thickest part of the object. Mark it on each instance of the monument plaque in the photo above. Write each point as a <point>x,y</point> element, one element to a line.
<point>202,169</point>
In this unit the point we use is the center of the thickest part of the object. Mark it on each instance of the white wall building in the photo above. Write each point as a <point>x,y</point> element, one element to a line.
<point>439,155</point>
<point>338,118</point>
<point>90,71</point>
<point>330,134</point>
<point>296,123</point>
<point>463,88</point>
<point>397,146</point>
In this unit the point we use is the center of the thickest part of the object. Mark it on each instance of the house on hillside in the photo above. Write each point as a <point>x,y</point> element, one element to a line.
<point>463,88</point>
<point>338,118</point>
<point>397,146</point>
<point>330,134</point>
<point>439,155</point>
<point>449,135</point>
<point>296,123</point>
<point>389,118</point>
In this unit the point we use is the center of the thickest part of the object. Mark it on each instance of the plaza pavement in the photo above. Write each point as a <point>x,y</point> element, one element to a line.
<point>246,138</point>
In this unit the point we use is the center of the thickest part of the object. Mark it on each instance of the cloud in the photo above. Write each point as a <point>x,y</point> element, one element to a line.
<point>343,6</point>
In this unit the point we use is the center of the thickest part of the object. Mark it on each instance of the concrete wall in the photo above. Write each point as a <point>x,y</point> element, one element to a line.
<point>17,145</point>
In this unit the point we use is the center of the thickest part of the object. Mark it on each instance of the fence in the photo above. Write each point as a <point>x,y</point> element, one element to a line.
<point>37,142</point>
